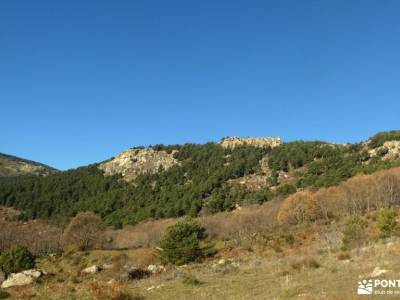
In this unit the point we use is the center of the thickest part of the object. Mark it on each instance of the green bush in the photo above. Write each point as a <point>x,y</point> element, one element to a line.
<point>380,138</point>
<point>387,223</point>
<point>4,295</point>
<point>354,234</point>
<point>383,151</point>
<point>182,243</point>
<point>16,260</point>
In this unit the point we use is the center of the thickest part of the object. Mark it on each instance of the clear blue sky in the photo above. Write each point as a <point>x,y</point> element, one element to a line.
<point>81,81</point>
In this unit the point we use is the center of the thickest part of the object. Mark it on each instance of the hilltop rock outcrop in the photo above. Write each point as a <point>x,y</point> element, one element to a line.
<point>134,162</point>
<point>262,142</point>
<point>390,150</point>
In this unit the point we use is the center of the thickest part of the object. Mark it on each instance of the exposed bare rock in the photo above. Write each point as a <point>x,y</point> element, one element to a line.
<point>17,280</point>
<point>265,167</point>
<point>33,273</point>
<point>133,162</point>
<point>251,181</point>
<point>22,278</point>
<point>91,270</point>
<point>378,272</point>
<point>262,142</point>
<point>390,150</point>
<point>156,269</point>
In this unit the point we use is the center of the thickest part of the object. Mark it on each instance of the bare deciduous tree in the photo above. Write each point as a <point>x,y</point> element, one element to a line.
<point>85,231</point>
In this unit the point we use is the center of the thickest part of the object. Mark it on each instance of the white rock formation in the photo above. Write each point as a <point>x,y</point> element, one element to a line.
<point>22,278</point>
<point>91,270</point>
<point>232,142</point>
<point>133,162</point>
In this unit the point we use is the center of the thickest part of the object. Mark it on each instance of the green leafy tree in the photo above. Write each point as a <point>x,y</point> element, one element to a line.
<point>16,260</point>
<point>354,234</point>
<point>387,223</point>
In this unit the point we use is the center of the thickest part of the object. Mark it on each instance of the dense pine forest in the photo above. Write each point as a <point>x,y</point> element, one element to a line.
<point>200,183</point>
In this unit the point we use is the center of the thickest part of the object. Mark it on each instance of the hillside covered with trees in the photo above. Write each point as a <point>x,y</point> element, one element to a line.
<point>208,178</point>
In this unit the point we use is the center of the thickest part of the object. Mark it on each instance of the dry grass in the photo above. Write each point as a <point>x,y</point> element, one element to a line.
<point>297,273</point>
<point>145,234</point>
<point>307,262</point>
<point>239,225</point>
<point>345,255</point>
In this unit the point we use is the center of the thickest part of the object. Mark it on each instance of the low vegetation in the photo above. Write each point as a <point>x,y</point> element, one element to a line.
<point>387,223</point>
<point>193,227</point>
<point>380,138</point>
<point>16,260</point>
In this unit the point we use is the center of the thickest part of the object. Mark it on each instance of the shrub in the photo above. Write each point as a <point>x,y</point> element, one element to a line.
<point>380,138</point>
<point>181,243</point>
<point>16,260</point>
<point>112,291</point>
<point>387,223</point>
<point>343,255</point>
<point>308,262</point>
<point>4,295</point>
<point>383,151</point>
<point>138,273</point>
<point>354,234</point>
<point>298,208</point>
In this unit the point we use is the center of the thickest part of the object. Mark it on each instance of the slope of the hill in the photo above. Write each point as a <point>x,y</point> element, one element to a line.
<point>193,179</point>
<point>11,166</point>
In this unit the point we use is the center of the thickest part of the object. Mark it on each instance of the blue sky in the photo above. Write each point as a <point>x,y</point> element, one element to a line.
<point>81,81</point>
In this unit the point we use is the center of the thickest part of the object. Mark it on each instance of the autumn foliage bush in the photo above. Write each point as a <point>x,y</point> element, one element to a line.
<point>298,208</point>
<point>358,195</point>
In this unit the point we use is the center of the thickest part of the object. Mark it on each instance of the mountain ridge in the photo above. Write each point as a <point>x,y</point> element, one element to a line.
<point>167,181</point>
<point>11,166</point>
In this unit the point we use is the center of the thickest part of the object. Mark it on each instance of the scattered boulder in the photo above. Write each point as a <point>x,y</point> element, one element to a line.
<point>107,266</point>
<point>22,278</point>
<point>154,287</point>
<point>378,272</point>
<point>33,273</point>
<point>91,270</point>
<point>156,269</point>
<point>17,279</point>
<point>222,262</point>
<point>225,266</point>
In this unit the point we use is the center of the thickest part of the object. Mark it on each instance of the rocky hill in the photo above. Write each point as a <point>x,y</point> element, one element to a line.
<point>194,179</point>
<point>11,166</point>
<point>134,162</point>
<point>262,142</point>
